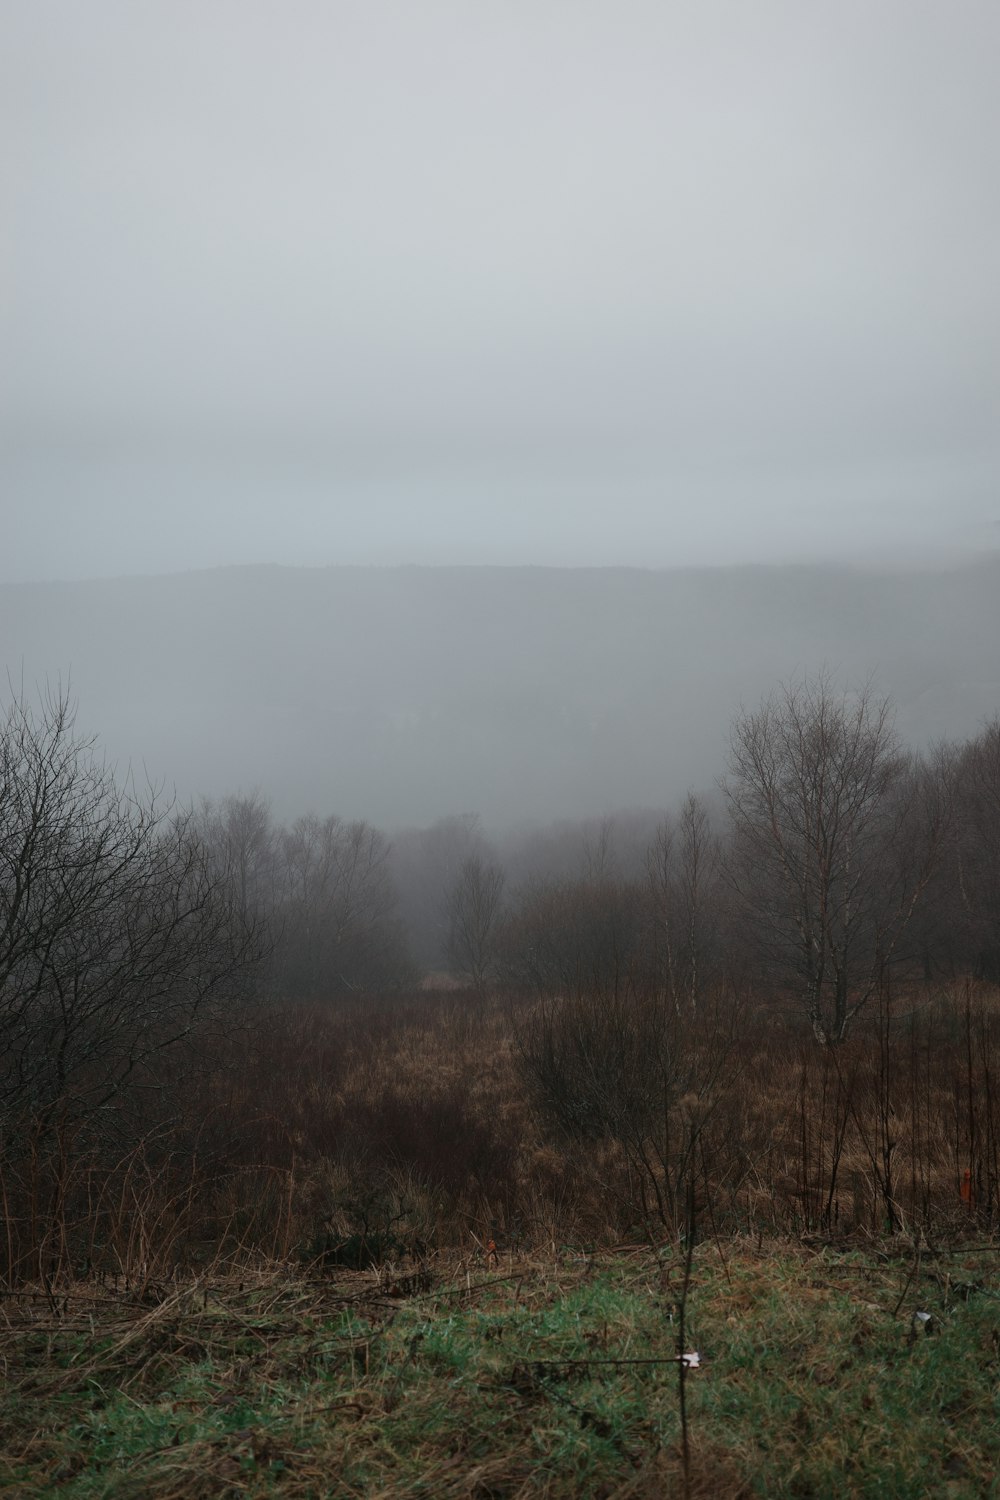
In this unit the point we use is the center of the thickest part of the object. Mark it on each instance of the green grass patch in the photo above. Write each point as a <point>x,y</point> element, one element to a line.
<point>538,1378</point>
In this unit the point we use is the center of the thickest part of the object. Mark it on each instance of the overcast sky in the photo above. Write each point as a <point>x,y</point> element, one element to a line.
<point>654,283</point>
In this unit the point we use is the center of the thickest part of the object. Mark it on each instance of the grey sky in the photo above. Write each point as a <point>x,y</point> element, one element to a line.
<point>555,282</point>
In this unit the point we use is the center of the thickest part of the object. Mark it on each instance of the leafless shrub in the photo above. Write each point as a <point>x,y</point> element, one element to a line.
<point>116,934</point>
<point>628,1066</point>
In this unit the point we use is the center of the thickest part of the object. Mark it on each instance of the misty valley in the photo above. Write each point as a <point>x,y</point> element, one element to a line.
<point>266,1071</point>
<point>499,750</point>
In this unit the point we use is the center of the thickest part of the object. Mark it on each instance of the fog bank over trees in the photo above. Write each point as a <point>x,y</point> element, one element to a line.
<point>401,696</point>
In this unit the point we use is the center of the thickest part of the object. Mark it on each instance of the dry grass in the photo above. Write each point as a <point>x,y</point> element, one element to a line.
<point>411,1122</point>
<point>552,1376</point>
<point>354,1256</point>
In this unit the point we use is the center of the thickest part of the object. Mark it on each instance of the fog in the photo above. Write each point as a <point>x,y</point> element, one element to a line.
<point>644,284</point>
<point>522,694</point>
<point>663,338</point>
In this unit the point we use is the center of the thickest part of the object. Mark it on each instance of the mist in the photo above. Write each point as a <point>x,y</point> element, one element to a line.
<point>422,411</point>
<point>522,694</point>
<point>656,286</point>
<point>499,746</point>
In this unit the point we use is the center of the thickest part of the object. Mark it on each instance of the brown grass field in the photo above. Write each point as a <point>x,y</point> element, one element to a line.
<point>359,1251</point>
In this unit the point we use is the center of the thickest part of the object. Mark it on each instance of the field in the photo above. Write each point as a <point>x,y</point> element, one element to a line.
<point>381,1250</point>
<point>516,1376</point>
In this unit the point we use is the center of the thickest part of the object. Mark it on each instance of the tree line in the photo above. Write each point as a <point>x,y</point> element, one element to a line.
<point>832,863</point>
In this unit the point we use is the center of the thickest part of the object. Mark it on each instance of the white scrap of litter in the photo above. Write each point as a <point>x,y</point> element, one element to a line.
<point>921,1322</point>
<point>689,1361</point>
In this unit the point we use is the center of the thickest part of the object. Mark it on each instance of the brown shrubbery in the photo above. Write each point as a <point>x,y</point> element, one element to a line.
<point>361,1132</point>
<point>211,1045</point>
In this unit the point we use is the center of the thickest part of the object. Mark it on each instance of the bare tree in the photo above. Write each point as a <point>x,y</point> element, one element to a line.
<point>425,866</point>
<point>474,910</point>
<point>600,861</point>
<point>977,847</point>
<point>833,842</point>
<point>562,935</point>
<point>683,867</point>
<point>241,839</point>
<point>116,933</point>
<point>337,912</point>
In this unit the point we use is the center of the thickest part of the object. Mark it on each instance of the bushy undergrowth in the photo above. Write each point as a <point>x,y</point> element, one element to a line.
<point>381,1128</point>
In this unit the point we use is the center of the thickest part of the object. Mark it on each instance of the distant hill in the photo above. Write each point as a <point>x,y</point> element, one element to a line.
<point>402,694</point>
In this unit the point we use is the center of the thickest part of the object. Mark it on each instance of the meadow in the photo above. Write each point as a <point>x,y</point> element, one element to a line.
<point>368,1250</point>
<point>520,1375</point>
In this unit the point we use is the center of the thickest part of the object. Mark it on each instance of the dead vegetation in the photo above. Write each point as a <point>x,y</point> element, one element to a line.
<point>516,1375</point>
<point>371,1249</point>
<point>397,1127</point>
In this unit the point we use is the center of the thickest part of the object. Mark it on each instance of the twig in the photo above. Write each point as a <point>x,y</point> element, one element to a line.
<point>914,1272</point>
<point>666,1359</point>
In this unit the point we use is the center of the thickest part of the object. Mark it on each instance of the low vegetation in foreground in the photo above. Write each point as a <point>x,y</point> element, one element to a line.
<point>505,1375</point>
